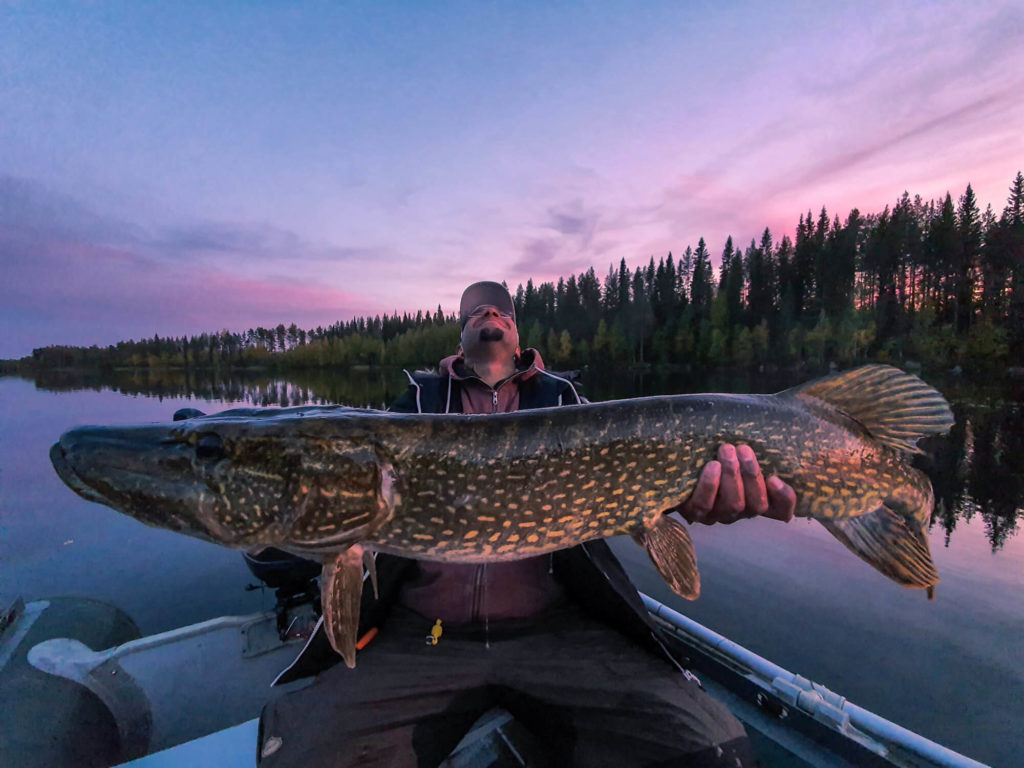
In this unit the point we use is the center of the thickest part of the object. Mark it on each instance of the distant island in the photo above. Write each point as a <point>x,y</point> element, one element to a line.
<point>939,283</point>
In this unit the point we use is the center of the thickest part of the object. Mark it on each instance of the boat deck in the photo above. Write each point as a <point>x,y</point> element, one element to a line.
<point>792,722</point>
<point>192,696</point>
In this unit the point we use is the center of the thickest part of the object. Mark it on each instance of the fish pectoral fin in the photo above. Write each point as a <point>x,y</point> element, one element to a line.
<point>340,593</point>
<point>670,548</point>
<point>891,543</point>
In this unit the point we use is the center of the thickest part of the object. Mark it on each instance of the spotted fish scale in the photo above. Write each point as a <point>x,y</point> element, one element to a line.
<point>339,483</point>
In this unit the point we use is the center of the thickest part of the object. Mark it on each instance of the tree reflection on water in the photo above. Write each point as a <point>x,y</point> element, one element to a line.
<point>367,388</point>
<point>977,469</point>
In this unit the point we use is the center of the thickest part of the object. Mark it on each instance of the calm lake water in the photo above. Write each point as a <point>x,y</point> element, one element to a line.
<point>951,669</point>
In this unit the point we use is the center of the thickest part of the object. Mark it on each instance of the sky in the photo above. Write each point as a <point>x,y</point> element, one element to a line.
<point>174,168</point>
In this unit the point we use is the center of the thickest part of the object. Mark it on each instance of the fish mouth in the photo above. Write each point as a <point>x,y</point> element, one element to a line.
<point>67,473</point>
<point>149,473</point>
<point>87,458</point>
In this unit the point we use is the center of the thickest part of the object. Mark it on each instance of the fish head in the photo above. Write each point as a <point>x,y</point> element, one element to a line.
<point>240,478</point>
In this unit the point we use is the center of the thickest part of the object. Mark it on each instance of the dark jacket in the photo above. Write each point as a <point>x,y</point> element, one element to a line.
<point>442,392</point>
<point>590,572</point>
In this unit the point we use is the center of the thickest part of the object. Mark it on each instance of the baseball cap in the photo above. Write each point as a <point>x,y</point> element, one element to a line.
<point>485,292</point>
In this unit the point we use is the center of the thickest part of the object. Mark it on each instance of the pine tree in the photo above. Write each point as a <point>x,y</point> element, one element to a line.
<point>942,249</point>
<point>701,282</point>
<point>731,283</point>
<point>994,269</point>
<point>802,267</point>
<point>590,297</point>
<point>1012,228</point>
<point>610,294</point>
<point>838,282</point>
<point>641,316</point>
<point>625,279</point>
<point>969,227</point>
<point>822,254</point>
<point>684,274</point>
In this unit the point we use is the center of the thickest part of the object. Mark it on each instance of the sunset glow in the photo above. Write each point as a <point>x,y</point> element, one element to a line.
<point>172,170</point>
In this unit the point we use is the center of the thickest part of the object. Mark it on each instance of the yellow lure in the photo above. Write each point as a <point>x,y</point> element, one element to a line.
<point>435,633</point>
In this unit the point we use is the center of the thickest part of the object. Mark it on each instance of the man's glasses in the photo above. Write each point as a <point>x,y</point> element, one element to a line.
<point>484,309</point>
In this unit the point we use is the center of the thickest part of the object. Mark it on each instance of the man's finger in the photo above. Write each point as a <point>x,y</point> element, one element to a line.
<point>781,500</point>
<point>697,507</point>
<point>754,491</point>
<point>730,503</point>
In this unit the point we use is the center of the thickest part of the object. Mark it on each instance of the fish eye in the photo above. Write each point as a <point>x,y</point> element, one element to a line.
<point>210,447</point>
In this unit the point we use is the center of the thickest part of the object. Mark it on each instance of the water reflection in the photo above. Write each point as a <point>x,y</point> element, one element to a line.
<point>979,470</point>
<point>976,470</point>
<point>370,388</point>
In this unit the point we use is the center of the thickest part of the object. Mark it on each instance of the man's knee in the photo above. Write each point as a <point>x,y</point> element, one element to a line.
<point>733,754</point>
<point>686,716</point>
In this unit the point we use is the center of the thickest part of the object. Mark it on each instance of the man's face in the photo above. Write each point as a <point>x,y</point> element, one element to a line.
<point>489,333</point>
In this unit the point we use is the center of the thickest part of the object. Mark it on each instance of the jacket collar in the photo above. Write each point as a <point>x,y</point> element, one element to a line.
<point>528,365</point>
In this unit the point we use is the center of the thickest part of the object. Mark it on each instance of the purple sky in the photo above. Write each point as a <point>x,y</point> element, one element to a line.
<point>173,168</point>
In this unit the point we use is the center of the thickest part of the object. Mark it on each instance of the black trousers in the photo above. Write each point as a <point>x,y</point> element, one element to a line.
<point>588,695</point>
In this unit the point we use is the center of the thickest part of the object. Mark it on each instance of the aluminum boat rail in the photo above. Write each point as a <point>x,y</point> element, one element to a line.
<point>893,743</point>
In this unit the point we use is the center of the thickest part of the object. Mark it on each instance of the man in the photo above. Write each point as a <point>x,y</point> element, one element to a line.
<point>561,641</point>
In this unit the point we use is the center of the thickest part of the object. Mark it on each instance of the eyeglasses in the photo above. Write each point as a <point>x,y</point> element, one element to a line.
<point>483,309</point>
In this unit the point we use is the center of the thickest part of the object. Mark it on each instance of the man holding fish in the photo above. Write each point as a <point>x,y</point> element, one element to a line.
<point>561,640</point>
<point>373,493</point>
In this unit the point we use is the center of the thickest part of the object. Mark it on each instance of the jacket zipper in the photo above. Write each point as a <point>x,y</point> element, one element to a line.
<point>478,577</point>
<point>480,610</point>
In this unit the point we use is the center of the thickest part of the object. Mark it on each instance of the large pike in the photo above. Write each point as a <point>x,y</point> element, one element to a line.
<point>338,483</point>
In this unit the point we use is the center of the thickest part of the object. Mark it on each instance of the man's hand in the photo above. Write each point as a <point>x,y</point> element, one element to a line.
<point>733,488</point>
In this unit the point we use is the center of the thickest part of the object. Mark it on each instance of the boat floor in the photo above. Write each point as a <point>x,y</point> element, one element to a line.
<point>495,741</point>
<point>191,696</point>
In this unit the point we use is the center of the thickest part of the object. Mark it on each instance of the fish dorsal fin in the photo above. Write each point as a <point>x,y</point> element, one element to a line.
<point>896,408</point>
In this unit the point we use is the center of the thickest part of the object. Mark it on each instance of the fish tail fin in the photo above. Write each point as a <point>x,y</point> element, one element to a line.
<point>895,407</point>
<point>670,548</point>
<point>891,542</point>
<point>340,593</point>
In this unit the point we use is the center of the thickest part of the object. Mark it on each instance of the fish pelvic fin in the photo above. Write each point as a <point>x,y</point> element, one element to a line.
<point>670,548</point>
<point>895,407</point>
<point>340,593</point>
<point>892,543</point>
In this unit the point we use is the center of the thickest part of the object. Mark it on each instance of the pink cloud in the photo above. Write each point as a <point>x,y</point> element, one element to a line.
<point>61,292</point>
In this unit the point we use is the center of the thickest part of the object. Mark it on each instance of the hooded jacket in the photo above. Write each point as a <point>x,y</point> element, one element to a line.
<point>457,389</point>
<point>589,574</point>
<point>459,593</point>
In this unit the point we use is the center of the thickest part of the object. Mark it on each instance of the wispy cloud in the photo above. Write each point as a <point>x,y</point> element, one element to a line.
<point>75,276</point>
<point>30,209</point>
<point>573,219</point>
<point>254,241</point>
<point>584,233</point>
<point>946,129</point>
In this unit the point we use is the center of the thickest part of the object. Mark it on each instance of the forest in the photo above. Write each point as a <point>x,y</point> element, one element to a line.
<point>939,283</point>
